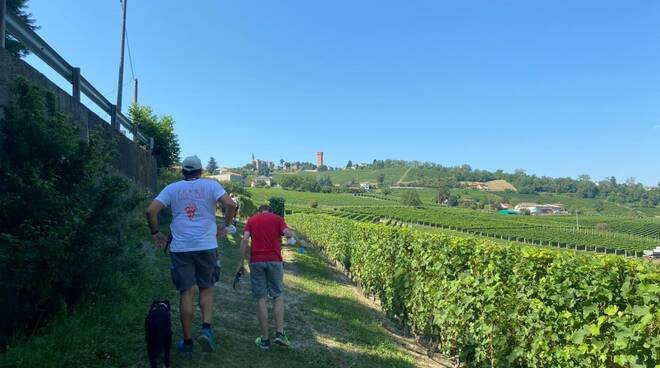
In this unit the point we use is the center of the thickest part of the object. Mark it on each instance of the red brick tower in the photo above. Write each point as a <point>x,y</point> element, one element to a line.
<point>319,159</point>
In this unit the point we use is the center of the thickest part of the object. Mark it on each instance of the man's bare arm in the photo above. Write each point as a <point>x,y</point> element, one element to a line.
<point>245,248</point>
<point>230,208</point>
<point>289,234</point>
<point>152,219</point>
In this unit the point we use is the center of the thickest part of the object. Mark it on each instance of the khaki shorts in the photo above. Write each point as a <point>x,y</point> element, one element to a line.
<point>266,279</point>
<point>201,268</point>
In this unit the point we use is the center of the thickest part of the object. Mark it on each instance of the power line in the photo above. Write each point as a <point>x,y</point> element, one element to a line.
<point>128,44</point>
<point>130,57</point>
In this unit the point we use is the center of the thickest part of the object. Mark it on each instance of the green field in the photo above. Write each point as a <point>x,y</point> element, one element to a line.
<point>391,175</point>
<point>545,229</point>
<point>612,231</point>
<point>261,195</point>
<point>571,203</point>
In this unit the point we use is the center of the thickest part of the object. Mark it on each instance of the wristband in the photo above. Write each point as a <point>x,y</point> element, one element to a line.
<point>155,232</point>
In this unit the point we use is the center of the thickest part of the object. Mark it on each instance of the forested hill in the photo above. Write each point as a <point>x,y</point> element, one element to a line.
<point>413,173</point>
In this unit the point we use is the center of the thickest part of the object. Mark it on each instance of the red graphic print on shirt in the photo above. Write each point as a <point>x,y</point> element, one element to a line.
<point>190,210</point>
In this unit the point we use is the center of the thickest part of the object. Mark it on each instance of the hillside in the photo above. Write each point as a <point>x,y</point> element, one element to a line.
<point>391,175</point>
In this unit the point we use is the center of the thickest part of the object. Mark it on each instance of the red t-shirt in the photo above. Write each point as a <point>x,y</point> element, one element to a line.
<point>266,230</point>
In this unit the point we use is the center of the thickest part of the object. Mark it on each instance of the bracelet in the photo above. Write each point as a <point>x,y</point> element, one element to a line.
<point>155,232</point>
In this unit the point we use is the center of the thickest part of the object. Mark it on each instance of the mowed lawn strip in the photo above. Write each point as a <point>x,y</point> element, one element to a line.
<point>328,322</point>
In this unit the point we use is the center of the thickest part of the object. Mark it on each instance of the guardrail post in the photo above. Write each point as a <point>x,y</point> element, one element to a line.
<point>3,22</point>
<point>75,82</point>
<point>113,117</point>
<point>136,139</point>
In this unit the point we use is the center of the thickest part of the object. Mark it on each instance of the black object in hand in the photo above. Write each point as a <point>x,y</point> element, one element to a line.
<point>237,278</point>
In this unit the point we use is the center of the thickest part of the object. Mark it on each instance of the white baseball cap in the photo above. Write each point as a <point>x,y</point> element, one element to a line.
<point>191,163</point>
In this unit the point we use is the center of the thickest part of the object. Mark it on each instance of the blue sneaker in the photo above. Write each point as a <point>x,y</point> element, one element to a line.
<point>184,349</point>
<point>207,340</point>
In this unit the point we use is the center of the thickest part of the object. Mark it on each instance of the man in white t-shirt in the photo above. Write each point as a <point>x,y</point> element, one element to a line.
<point>193,248</point>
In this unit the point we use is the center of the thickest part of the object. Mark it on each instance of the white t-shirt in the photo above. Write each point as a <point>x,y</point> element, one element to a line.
<point>193,204</point>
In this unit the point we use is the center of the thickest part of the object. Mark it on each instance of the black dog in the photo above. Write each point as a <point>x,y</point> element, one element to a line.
<point>158,332</point>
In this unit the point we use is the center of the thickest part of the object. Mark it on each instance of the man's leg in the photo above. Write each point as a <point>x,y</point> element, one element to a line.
<point>263,318</point>
<point>279,314</point>
<point>183,276</point>
<point>206,304</point>
<point>207,272</point>
<point>186,307</point>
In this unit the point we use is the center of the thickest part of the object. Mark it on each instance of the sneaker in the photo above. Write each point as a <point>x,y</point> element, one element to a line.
<point>184,349</point>
<point>281,339</point>
<point>262,344</point>
<point>207,340</point>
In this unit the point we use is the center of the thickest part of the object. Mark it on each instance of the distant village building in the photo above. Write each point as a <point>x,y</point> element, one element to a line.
<point>359,166</point>
<point>258,164</point>
<point>541,209</point>
<point>229,176</point>
<point>262,181</point>
<point>365,186</point>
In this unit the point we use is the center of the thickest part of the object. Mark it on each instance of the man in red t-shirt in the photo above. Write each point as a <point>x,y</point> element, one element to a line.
<point>265,230</point>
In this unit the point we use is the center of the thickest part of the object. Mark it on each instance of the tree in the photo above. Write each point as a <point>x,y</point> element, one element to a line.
<point>246,208</point>
<point>166,144</point>
<point>18,8</point>
<point>411,198</point>
<point>212,166</point>
<point>263,171</point>
<point>349,164</point>
<point>443,192</point>
<point>325,181</point>
<point>381,179</point>
<point>587,189</point>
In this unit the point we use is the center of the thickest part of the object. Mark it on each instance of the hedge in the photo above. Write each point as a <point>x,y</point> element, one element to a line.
<point>496,305</point>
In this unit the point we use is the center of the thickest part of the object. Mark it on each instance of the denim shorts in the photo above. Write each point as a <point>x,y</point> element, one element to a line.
<point>201,268</point>
<point>266,279</point>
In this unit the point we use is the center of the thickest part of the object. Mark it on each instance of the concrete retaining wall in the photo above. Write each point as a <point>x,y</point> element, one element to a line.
<point>131,161</point>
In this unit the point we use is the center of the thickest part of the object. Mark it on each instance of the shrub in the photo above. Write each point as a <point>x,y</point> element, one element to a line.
<point>247,207</point>
<point>411,198</point>
<point>601,226</point>
<point>277,204</point>
<point>314,204</point>
<point>65,221</point>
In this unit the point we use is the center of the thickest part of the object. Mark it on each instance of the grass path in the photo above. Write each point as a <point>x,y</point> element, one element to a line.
<point>329,322</point>
<point>400,181</point>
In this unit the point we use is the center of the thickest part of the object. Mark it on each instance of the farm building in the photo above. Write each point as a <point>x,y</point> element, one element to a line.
<point>541,209</point>
<point>262,181</point>
<point>228,176</point>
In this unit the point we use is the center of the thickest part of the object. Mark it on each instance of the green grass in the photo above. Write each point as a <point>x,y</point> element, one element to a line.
<point>329,324</point>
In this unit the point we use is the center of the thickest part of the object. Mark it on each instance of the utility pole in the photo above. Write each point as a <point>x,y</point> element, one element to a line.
<point>577,220</point>
<point>121,59</point>
<point>135,91</point>
<point>3,23</point>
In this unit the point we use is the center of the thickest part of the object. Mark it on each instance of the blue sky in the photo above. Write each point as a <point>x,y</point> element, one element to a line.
<point>558,88</point>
